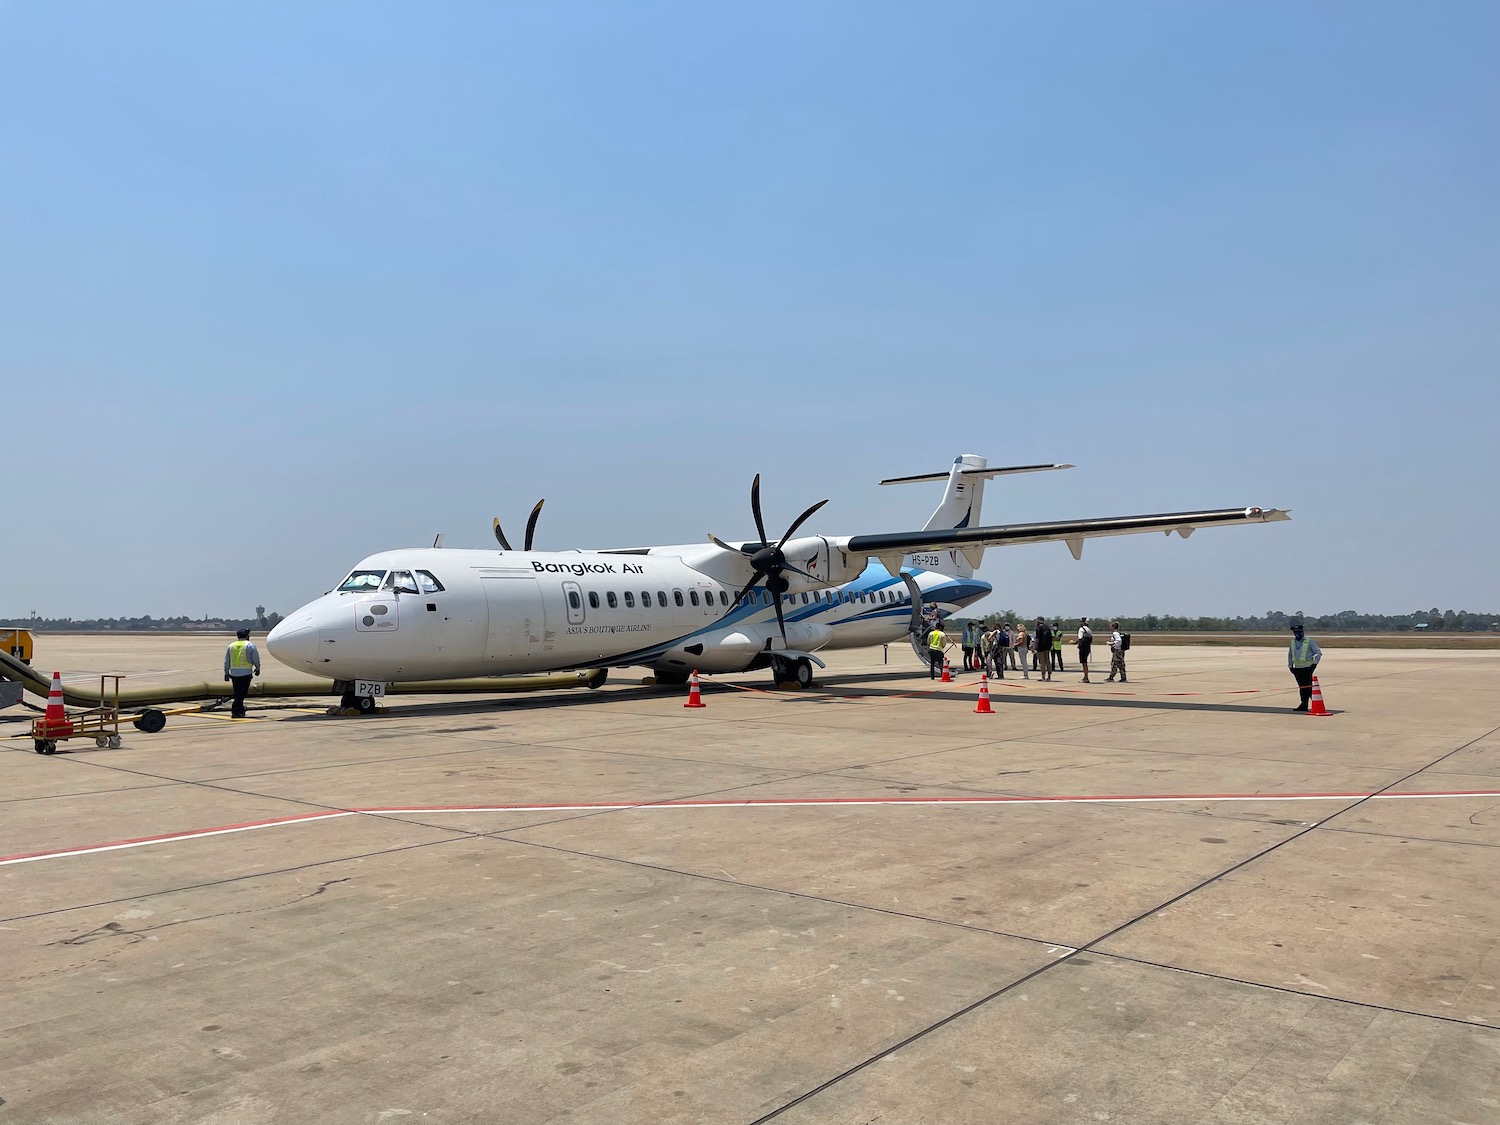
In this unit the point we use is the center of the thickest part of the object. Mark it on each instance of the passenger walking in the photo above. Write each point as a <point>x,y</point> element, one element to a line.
<point>1116,653</point>
<point>995,654</point>
<point>969,636</point>
<point>1057,639</point>
<point>241,664</point>
<point>1085,643</point>
<point>1023,646</point>
<point>1302,660</point>
<point>937,644</point>
<point>1043,645</point>
<point>1010,644</point>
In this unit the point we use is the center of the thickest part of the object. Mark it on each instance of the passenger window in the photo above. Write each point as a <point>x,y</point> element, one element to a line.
<point>574,601</point>
<point>723,597</point>
<point>661,598</point>
<point>614,602</point>
<point>677,594</point>
<point>593,599</point>
<point>629,600</point>
<point>804,599</point>
<point>693,596</point>
<point>427,582</point>
<point>646,598</point>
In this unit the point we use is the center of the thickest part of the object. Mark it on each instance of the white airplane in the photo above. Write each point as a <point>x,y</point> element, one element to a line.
<point>434,613</point>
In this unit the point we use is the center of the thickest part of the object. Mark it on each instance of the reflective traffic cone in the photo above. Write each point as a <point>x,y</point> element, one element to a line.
<point>695,699</point>
<point>983,707</point>
<point>56,719</point>
<point>947,675</point>
<point>1317,707</point>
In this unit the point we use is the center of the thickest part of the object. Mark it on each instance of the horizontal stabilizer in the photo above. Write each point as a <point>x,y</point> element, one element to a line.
<point>986,473</point>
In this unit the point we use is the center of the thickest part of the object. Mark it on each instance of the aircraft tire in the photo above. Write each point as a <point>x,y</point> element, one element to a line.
<point>366,704</point>
<point>667,677</point>
<point>781,671</point>
<point>804,672</point>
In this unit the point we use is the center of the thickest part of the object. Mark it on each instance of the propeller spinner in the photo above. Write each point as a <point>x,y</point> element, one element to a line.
<point>769,562</point>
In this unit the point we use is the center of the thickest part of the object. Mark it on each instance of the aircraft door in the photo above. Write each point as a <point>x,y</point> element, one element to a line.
<point>517,625</point>
<point>573,595</point>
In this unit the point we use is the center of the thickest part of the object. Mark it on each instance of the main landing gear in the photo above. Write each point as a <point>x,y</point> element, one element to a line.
<point>786,671</point>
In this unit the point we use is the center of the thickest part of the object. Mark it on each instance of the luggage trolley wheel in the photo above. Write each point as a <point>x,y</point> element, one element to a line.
<point>45,745</point>
<point>101,740</point>
<point>114,742</point>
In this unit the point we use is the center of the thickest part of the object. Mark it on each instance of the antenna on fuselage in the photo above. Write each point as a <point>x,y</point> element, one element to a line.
<point>438,542</point>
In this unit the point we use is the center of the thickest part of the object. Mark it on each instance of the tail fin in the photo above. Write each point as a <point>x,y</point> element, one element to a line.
<point>960,507</point>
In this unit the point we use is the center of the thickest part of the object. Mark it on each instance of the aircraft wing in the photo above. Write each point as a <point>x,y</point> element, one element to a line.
<point>1071,532</point>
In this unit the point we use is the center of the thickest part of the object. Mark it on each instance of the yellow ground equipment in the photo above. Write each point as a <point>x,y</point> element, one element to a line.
<point>102,722</point>
<point>17,643</point>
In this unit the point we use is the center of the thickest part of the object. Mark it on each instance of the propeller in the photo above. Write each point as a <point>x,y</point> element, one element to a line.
<point>530,529</point>
<point>769,561</point>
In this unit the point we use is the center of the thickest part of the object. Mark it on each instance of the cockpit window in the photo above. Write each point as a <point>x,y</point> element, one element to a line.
<point>361,582</point>
<point>400,581</point>
<point>428,582</point>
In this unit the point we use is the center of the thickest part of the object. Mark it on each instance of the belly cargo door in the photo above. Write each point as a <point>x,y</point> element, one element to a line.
<point>517,625</point>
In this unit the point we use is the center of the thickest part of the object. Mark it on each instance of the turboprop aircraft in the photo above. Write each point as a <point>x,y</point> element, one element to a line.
<point>437,613</point>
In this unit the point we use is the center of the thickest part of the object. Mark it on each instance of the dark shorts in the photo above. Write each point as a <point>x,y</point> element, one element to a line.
<point>1084,649</point>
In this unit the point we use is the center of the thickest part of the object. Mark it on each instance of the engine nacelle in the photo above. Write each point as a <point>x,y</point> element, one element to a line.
<point>827,559</point>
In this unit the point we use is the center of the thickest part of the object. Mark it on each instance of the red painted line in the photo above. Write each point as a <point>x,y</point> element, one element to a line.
<point>140,841</point>
<point>789,802</point>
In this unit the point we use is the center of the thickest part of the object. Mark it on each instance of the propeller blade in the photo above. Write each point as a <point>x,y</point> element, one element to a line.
<point>748,587</point>
<point>780,620</point>
<point>760,524</point>
<point>799,570</point>
<point>531,523</point>
<point>717,542</point>
<point>500,535</point>
<point>799,522</point>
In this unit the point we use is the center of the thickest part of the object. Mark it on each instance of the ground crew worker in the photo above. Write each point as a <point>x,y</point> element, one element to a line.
<point>1302,659</point>
<point>970,636</point>
<point>937,642</point>
<point>1057,640</point>
<point>241,662</point>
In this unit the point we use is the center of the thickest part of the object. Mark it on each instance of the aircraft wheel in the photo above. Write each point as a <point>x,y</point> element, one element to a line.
<point>781,670</point>
<point>804,672</point>
<point>667,677</point>
<point>366,704</point>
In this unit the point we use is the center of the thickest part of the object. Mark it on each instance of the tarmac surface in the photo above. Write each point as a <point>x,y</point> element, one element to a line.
<point>1166,901</point>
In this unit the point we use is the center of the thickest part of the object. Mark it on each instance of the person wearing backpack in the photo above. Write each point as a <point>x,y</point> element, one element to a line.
<point>1118,643</point>
<point>1043,635</point>
<point>1085,643</point>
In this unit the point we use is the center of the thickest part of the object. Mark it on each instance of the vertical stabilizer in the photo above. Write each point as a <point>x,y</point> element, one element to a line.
<point>960,507</point>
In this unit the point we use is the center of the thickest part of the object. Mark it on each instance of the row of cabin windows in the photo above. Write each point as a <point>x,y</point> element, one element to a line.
<point>831,597</point>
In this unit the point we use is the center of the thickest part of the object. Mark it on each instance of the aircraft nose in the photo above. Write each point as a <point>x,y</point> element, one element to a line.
<point>294,641</point>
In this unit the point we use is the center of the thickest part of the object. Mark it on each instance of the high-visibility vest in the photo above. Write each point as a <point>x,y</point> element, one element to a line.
<point>1056,640</point>
<point>1302,653</point>
<point>237,657</point>
<point>936,640</point>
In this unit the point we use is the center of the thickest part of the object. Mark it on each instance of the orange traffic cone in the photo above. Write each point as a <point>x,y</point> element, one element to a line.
<point>56,719</point>
<point>947,675</point>
<point>983,707</point>
<point>695,699</point>
<point>1317,707</point>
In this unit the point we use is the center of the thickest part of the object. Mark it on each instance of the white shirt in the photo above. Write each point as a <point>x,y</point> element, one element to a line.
<point>1114,641</point>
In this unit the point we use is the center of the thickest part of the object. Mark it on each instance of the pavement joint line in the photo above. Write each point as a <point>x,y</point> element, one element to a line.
<point>325,812</point>
<point>1090,946</point>
<point>1368,1004</point>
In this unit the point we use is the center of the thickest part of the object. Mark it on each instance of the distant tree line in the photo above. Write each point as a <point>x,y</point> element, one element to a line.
<point>147,623</point>
<point>1345,621</point>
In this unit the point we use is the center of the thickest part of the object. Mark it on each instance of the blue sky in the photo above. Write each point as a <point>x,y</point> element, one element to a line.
<point>283,285</point>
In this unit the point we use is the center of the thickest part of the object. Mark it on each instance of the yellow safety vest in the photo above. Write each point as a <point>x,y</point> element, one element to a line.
<point>1302,653</point>
<point>237,657</point>
<point>936,639</point>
